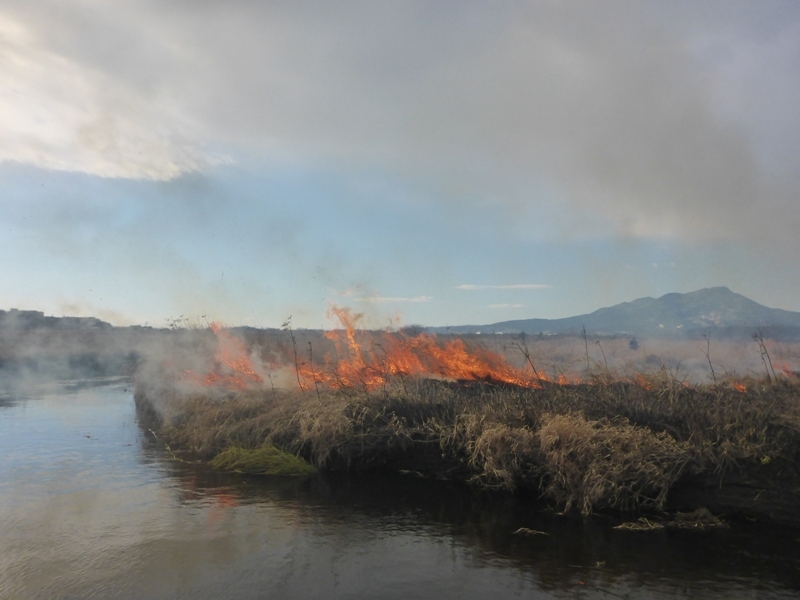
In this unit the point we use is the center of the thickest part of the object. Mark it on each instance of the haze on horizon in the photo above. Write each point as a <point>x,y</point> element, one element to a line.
<point>449,163</point>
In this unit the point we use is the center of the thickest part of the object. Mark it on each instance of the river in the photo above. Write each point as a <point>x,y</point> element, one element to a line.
<point>93,506</point>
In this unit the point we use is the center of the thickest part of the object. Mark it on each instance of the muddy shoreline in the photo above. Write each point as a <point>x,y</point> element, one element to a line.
<point>753,496</point>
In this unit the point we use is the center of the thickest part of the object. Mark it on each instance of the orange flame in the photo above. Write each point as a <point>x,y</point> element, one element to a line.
<point>366,359</point>
<point>642,381</point>
<point>370,359</point>
<point>785,368</point>
<point>233,368</point>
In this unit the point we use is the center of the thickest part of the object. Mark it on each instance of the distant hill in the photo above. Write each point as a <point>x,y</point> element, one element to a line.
<point>34,319</point>
<point>715,309</point>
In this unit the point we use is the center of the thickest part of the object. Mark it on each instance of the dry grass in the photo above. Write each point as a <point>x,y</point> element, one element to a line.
<point>608,463</point>
<point>697,520</point>
<point>608,444</point>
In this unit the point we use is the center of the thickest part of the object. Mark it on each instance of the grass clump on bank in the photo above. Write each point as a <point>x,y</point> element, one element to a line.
<point>267,460</point>
<point>608,463</point>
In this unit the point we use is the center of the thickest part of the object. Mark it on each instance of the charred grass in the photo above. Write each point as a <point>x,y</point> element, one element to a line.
<point>608,444</point>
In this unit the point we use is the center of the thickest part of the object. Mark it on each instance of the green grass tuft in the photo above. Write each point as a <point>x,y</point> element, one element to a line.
<point>268,460</point>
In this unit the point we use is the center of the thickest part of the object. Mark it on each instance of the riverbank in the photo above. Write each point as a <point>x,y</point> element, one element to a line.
<point>650,444</point>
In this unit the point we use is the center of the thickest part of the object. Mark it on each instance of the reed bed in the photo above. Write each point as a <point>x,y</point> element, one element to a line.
<point>607,444</point>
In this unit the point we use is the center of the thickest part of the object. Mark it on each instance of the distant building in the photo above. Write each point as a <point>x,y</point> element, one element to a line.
<point>35,319</point>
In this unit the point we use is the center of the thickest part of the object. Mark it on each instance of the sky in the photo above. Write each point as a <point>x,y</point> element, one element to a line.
<point>433,163</point>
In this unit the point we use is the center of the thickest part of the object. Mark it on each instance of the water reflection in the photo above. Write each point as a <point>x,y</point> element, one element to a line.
<point>575,554</point>
<point>92,507</point>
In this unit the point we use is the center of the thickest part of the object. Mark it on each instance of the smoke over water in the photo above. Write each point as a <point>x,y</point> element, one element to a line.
<point>217,361</point>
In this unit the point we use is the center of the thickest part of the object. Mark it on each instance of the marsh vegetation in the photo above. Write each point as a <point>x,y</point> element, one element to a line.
<point>607,444</point>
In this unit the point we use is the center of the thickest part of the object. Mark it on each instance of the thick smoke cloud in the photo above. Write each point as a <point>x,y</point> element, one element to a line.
<point>643,118</point>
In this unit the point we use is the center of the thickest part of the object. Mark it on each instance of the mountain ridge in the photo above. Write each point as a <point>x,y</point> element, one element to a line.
<point>673,314</point>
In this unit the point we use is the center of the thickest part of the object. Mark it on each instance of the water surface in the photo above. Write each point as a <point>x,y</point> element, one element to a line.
<point>93,506</point>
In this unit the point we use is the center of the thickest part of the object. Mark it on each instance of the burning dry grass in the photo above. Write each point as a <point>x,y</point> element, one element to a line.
<point>620,444</point>
<point>449,409</point>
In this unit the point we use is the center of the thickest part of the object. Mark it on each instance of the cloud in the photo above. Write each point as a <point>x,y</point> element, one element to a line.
<point>514,286</point>
<point>624,116</point>
<point>506,306</point>
<point>58,113</point>
<point>397,300</point>
<point>349,292</point>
